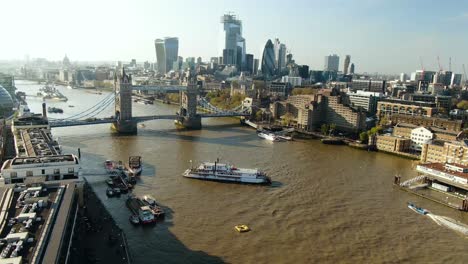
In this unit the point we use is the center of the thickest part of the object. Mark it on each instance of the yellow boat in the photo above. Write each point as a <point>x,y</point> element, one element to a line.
<point>242,228</point>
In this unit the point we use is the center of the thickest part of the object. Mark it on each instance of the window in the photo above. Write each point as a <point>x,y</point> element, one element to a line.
<point>56,171</point>
<point>43,171</point>
<point>29,173</point>
<point>71,170</point>
<point>13,174</point>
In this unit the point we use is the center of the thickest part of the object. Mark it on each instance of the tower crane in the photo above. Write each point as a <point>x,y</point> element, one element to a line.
<point>464,75</point>
<point>438,62</point>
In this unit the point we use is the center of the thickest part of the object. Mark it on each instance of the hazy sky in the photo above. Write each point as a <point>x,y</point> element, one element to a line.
<point>380,35</point>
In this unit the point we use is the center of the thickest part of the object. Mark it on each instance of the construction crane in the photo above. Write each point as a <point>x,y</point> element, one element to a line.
<point>422,67</point>
<point>438,62</point>
<point>464,75</point>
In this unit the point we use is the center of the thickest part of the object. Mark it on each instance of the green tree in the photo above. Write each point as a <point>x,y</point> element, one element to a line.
<point>324,129</point>
<point>463,104</point>
<point>363,137</point>
<point>332,128</point>
<point>286,119</point>
<point>383,121</point>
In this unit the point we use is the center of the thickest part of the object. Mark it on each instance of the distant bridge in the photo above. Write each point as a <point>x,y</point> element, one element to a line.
<point>188,114</point>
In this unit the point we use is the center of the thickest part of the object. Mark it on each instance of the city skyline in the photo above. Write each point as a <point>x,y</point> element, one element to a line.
<point>387,42</point>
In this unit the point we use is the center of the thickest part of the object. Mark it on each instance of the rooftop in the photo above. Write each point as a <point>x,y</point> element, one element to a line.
<point>35,142</point>
<point>448,168</point>
<point>32,218</point>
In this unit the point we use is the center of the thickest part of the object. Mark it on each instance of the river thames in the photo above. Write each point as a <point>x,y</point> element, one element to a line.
<point>327,204</point>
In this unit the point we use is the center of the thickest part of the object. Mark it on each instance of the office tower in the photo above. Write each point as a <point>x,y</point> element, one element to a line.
<point>249,63</point>
<point>282,57</point>
<point>351,68</point>
<point>233,49</point>
<point>304,72</point>
<point>268,60</point>
<point>277,45</point>
<point>456,79</point>
<point>199,60</point>
<point>133,63</point>
<point>347,61</point>
<point>167,51</point>
<point>403,77</point>
<point>214,60</point>
<point>331,63</point>
<point>256,65</point>
<point>289,58</point>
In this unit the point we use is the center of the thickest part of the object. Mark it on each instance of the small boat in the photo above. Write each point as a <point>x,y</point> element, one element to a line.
<point>242,228</point>
<point>268,136</point>
<point>110,182</point>
<point>117,191</point>
<point>418,210</point>
<point>113,166</point>
<point>155,208</point>
<point>134,219</point>
<point>71,106</point>
<point>55,110</point>
<point>110,192</point>
<point>134,166</point>
<point>285,138</point>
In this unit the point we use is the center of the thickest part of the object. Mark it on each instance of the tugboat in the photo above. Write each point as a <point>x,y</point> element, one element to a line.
<point>157,211</point>
<point>55,110</point>
<point>134,166</point>
<point>137,207</point>
<point>418,210</point>
<point>227,173</point>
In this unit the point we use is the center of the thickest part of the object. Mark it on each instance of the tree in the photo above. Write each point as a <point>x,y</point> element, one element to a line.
<point>463,104</point>
<point>259,115</point>
<point>286,119</point>
<point>363,137</point>
<point>383,121</point>
<point>375,130</point>
<point>324,129</point>
<point>332,128</point>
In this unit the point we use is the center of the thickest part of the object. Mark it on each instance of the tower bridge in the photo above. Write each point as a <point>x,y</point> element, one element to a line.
<point>123,120</point>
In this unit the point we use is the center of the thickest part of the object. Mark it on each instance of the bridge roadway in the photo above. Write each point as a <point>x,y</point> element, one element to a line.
<point>138,119</point>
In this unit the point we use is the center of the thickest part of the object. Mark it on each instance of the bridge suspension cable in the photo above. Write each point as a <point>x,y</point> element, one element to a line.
<point>99,107</point>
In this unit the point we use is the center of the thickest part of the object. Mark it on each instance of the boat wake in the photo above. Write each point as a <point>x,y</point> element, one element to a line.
<point>450,223</point>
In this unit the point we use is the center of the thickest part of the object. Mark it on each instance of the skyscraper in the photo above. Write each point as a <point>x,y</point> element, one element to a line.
<point>347,61</point>
<point>282,57</point>
<point>331,63</point>
<point>167,51</point>
<point>233,50</point>
<point>256,65</point>
<point>268,60</point>
<point>249,63</point>
<point>277,45</point>
<point>351,68</point>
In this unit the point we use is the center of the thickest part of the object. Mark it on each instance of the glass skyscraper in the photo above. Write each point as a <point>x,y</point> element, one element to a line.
<point>268,60</point>
<point>167,51</point>
<point>233,49</point>
<point>331,63</point>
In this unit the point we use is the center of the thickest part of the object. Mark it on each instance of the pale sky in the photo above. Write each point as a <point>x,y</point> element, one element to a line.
<point>380,35</point>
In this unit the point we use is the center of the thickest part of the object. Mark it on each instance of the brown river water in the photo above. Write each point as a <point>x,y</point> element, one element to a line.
<point>327,204</point>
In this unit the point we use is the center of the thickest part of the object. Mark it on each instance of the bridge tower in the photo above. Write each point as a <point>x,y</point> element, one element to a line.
<point>124,123</point>
<point>188,117</point>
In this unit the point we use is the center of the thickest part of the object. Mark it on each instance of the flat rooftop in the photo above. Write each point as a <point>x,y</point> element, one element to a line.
<point>46,228</point>
<point>442,168</point>
<point>33,142</point>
